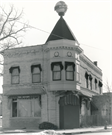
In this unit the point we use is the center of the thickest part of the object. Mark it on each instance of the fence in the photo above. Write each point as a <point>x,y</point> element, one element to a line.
<point>94,120</point>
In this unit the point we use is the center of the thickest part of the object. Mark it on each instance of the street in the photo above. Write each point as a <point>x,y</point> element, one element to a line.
<point>41,133</point>
<point>101,133</point>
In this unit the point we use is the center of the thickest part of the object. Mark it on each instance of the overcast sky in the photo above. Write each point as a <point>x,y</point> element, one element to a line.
<point>89,20</point>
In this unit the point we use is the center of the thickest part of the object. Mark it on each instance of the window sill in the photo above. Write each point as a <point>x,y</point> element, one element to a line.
<point>25,117</point>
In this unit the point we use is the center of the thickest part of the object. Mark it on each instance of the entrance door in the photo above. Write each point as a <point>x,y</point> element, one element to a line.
<point>69,112</point>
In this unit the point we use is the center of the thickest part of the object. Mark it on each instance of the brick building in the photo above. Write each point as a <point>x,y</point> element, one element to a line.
<point>0,104</point>
<point>52,82</point>
<point>104,105</point>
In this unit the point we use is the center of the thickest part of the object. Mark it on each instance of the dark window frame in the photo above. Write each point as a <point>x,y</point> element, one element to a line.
<point>36,74</point>
<point>69,71</point>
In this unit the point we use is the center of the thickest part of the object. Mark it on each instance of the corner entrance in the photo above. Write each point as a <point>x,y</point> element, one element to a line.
<point>69,112</point>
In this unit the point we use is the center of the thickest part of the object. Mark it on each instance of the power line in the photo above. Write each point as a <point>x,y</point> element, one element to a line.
<point>92,47</point>
<point>59,36</point>
<point>43,30</point>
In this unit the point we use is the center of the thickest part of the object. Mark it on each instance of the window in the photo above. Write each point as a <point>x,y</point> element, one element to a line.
<point>14,108</point>
<point>95,84</point>
<point>78,75</point>
<point>69,68</point>
<point>15,71</point>
<point>36,73</point>
<point>86,77</point>
<point>100,87</point>
<point>56,68</point>
<point>25,107</point>
<point>90,79</point>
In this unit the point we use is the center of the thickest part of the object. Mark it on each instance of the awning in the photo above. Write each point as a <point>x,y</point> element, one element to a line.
<point>69,99</point>
<point>19,92</point>
<point>56,63</point>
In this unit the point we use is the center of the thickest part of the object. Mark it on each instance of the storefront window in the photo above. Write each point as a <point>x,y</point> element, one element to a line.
<point>26,107</point>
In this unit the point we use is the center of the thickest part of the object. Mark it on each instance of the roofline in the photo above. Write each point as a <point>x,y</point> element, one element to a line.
<point>84,57</point>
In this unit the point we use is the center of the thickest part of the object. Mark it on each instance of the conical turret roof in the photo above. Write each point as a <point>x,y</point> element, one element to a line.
<point>61,31</point>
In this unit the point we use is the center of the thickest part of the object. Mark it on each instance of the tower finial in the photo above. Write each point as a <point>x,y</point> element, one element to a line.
<point>60,8</point>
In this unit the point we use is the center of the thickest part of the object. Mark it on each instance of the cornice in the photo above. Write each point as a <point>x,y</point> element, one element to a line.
<point>90,64</point>
<point>91,92</point>
<point>75,48</point>
<point>19,52</point>
<point>24,85</point>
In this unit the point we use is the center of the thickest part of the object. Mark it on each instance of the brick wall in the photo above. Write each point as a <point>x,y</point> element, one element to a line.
<point>104,105</point>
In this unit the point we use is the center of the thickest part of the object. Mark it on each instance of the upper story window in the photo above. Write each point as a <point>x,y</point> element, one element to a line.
<point>90,80</point>
<point>87,82</point>
<point>15,75</point>
<point>36,73</point>
<point>69,71</point>
<point>100,87</point>
<point>95,84</point>
<point>56,68</point>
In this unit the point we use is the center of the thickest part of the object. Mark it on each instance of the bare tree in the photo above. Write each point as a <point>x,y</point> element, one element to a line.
<point>107,87</point>
<point>11,29</point>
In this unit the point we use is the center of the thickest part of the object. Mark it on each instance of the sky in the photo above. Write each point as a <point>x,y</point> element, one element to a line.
<point>89,20</point>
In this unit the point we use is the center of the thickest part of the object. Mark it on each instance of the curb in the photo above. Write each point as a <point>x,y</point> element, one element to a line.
<point>62,133</point>
<point>84,132</point>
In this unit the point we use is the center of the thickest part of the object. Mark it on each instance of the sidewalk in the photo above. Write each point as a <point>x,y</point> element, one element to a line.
<point>66,131</point>
<point>86,130</point>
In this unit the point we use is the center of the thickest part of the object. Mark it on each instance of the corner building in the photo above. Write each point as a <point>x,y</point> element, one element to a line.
<point>52,82</point>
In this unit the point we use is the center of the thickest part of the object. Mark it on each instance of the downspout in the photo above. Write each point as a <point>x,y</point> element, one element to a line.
<point>43,87</point>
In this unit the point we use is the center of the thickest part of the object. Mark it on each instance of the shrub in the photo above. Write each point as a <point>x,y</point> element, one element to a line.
<point>47,125</point>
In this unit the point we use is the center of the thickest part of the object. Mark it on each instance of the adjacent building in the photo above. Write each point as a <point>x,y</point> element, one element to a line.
<point>0,104</point>
<point>52,82</point>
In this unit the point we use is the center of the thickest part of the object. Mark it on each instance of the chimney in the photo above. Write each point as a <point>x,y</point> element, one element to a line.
<point>95,63</point>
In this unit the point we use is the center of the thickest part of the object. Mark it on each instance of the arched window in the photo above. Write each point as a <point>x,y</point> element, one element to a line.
<point>86,77</point>
<point>95,84</point>
<point>100,87</point>
<point>36,73</point>
<point>69,68</point>
<point>15,75</point>
<point>90,79</point>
